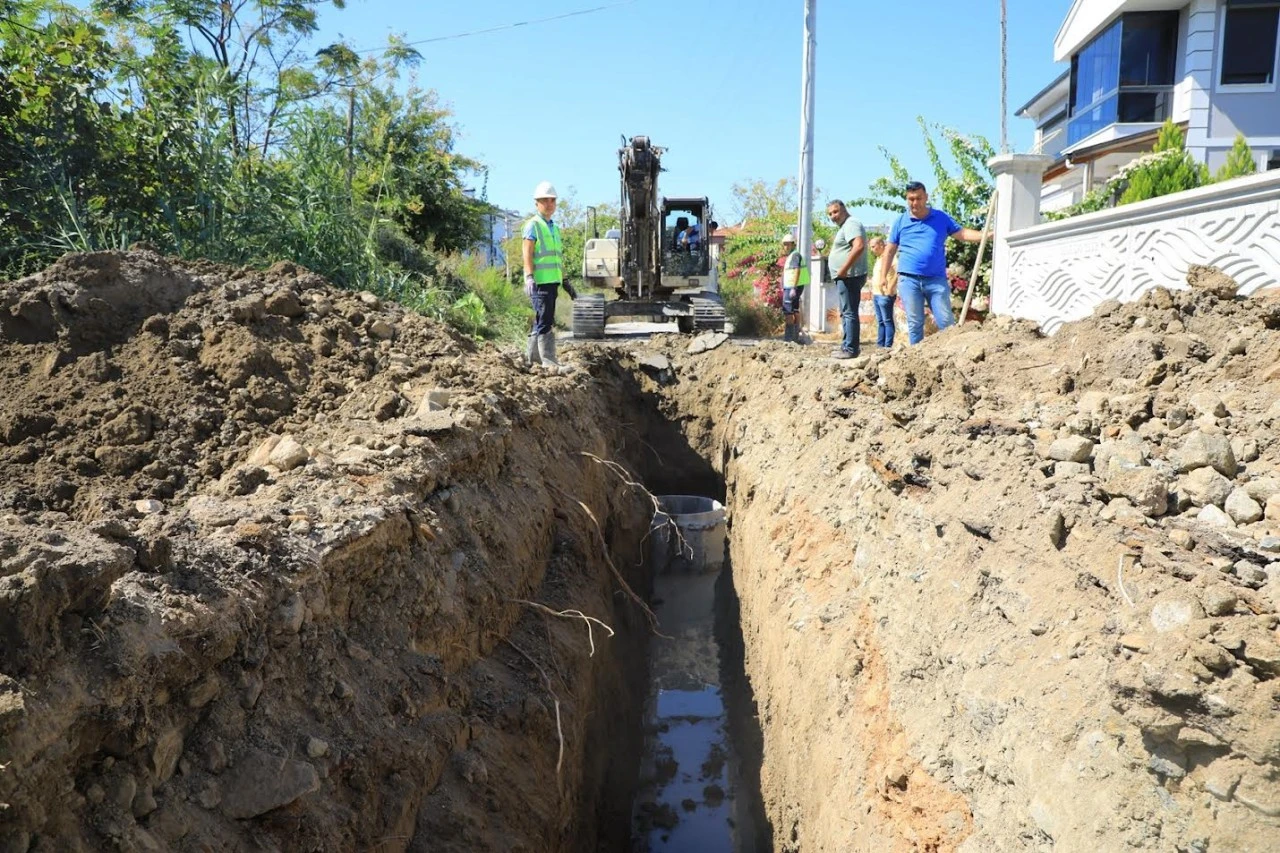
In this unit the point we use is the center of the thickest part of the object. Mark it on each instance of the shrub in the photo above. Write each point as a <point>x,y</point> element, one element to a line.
<point>488,306</point>
<point>468,314</point>
<point>751,317</point>
<point>1175,172</point>
<point>1240,161</point>
<point>1109,194</point>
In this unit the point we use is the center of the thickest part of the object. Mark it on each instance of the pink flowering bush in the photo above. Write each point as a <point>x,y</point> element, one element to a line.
<point>768,290</point>
<point>750,283</point>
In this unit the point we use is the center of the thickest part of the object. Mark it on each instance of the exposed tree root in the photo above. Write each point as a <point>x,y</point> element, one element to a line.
<point>554,698</point>
<point>604,549</point>
<point>569,614</point>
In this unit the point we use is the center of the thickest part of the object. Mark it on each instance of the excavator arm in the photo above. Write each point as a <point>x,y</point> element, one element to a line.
<point>639,163</point>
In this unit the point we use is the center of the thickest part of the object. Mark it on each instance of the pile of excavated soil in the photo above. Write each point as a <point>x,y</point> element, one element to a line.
<point>269,560</point>
<point>1008,592</point>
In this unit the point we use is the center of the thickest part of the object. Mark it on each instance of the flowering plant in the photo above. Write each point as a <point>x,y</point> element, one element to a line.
<point>768,290</point>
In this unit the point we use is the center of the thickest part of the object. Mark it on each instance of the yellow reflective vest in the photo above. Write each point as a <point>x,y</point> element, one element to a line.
<point>795,276</point>
<point>548,263</point>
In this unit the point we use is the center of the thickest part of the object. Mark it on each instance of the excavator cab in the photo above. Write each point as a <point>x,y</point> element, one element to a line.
<point>688,257</point>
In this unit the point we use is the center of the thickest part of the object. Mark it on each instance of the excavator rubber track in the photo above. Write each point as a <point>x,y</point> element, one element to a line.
<point>588,316</point>
<point>708,313</point>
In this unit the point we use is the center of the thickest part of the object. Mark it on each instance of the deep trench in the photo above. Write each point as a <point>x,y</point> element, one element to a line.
<point>672,466</point>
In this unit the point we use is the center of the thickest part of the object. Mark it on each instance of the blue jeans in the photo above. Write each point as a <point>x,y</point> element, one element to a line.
<point>884,320</point>
<point>544,307</point>
<point>850,292</point>
<point>915,290</point>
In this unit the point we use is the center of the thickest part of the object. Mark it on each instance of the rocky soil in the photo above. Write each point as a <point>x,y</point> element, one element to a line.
<point>273,559</point>
<point>1002,592</point>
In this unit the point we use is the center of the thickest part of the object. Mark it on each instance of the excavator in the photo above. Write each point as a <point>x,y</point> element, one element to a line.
<point>658,262</point>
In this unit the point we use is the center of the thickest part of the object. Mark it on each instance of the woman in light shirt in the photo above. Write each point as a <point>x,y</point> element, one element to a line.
<point>884,292</point>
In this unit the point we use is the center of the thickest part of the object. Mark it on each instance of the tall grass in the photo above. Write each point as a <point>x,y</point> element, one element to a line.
<point>506,311</point>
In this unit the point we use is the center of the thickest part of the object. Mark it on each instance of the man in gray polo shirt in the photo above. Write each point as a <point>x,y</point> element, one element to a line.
<point>848,265</point>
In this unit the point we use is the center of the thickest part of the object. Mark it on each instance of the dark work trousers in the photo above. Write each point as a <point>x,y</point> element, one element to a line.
<point>850,292</point>
<point>544,307</point>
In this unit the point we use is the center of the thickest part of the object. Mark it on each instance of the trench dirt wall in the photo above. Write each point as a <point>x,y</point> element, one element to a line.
<point>258,592</point>
<point>1002,592</point>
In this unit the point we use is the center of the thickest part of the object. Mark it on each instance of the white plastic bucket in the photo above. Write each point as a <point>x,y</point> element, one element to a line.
<point>699,547</point>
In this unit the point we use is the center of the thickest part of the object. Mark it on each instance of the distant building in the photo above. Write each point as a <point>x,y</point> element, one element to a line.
<point>499,226</point>
<point>1209,65</point>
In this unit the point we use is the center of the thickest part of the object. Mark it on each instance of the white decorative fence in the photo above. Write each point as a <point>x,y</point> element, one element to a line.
<point>1060,271</point>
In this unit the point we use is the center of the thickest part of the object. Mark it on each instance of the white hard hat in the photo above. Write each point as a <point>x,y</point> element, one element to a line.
<point>544,190</point>
<point>788,238</point>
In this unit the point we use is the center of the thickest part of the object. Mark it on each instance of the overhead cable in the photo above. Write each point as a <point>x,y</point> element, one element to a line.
<point>513,26</point>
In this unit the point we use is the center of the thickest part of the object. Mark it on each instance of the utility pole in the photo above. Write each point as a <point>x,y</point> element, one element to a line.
<point>805,237</point>
<point>1004,77</point>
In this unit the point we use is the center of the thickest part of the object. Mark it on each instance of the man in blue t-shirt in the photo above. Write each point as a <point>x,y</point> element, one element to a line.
<point>691,239</point>
<point>919,240</point>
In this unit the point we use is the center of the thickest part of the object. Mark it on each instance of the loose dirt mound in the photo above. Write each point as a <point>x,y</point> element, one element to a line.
<point>263,548</point>
<point>1002,592</point>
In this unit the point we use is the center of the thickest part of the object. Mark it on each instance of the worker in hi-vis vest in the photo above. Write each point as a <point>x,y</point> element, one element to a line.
<point>795,277</point>
<point>543,275</point>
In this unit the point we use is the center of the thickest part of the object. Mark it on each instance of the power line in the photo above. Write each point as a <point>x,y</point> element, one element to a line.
<point>471,33</point>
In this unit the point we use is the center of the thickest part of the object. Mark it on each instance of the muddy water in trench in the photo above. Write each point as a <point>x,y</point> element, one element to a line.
<point>699,780</point>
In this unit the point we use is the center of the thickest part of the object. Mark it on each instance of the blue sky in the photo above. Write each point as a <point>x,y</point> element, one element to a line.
<point>717,82</point>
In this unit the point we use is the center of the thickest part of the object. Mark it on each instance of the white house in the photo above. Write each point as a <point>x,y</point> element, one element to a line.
<point>1210,65</point>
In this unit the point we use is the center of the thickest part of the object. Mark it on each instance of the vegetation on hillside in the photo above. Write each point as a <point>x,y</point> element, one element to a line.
<point>211,130</point>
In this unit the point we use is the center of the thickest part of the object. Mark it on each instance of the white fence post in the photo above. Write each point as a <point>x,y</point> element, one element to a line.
<point>1018,179</point>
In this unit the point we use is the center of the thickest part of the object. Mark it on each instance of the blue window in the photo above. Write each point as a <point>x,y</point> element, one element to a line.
<point>1095,84</point>
<point>1125,74</point>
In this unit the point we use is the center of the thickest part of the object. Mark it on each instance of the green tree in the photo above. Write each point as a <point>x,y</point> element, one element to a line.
<point>411,171</point>
<point>961,187</point>
<point>1173,172</point>
<point>760,199</point>
<point>1240,161</point>
<point>257,44</point>
<point>773,208</point>
<point>84,159</point>
<point>243,149</point>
